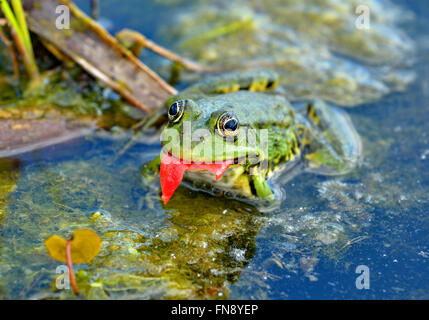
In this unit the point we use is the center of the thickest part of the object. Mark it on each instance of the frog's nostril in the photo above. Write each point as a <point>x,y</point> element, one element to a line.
<point>200,135</point>
<point>204,136</point>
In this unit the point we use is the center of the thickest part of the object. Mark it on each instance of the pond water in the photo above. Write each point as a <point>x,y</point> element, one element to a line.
<point>198,246</point>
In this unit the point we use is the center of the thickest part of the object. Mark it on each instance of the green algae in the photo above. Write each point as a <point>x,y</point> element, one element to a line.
<point>9,172</point>
<point>171,252</point>
<point>180,250</point>
<point>315,46</point>
<point>62,91</point>
<point>69,89</point>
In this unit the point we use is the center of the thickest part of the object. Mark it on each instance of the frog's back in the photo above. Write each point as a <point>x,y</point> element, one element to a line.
<point>253,109</point>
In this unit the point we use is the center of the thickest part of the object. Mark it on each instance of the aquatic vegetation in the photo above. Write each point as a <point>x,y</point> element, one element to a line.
<point>209,247</point>
<point>82,247</point>
<point>87,44</point>
<point>69,104</point>
<point>222,249</point>
<point>21,35</point>
<point>314,45</point>
<point>146,252</point>
<point>9,173</point>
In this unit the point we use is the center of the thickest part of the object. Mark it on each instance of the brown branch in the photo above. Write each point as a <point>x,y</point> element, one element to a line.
<point>143,42</point>
<point>113,42</point>
<point>100,54</point>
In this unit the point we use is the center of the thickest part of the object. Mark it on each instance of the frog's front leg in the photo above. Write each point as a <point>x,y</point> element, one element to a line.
<point>262,188</point>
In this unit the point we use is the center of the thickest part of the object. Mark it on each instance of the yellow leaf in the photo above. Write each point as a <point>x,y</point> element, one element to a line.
<point>56,247</point>
<point>85,245</point>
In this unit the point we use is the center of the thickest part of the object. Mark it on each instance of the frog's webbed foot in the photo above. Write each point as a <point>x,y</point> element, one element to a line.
<point>153,121</point>
<point>330,142</point>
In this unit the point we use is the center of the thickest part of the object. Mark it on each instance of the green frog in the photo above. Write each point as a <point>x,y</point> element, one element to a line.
<point>234,135</point>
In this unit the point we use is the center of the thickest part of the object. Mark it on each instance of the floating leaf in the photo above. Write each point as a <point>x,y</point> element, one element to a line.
<point>85,245</point>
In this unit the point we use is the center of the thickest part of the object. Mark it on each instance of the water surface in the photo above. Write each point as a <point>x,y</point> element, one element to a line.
<point>204,247</point>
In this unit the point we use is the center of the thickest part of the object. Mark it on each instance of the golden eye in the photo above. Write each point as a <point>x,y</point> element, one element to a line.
<point>176,111</point>
<point>227,125</point>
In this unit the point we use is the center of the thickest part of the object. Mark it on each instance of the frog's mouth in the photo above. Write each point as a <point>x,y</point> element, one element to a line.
<point>172,170</point>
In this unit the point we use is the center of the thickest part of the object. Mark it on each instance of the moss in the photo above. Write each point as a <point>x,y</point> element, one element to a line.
<point>164,252</point>
<point>9,172</point>
<point>308,45</point>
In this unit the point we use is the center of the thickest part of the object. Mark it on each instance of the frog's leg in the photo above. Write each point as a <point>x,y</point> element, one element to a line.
<point>329,140</point>
<point>259,185</point>
<point>262,189</point>
<point>260,80</point>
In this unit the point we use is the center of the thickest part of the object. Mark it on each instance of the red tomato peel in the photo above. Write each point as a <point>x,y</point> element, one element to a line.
<point>172,170</point>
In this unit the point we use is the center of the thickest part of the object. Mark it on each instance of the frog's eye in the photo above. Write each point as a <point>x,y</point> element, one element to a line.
<point>227,125</point>
<point>176,111</point>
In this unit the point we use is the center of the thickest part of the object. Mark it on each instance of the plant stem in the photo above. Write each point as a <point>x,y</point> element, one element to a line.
<point>11,18</point>
<point>21,36</point>
<point>70,267</point>
<point>20,17</point>
<point>143,42</point>
<point>94,9</point>
<point>30,65</point>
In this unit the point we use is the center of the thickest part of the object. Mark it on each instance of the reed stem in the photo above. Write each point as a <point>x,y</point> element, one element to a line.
<point>21,36</point>
<point>20,17</point>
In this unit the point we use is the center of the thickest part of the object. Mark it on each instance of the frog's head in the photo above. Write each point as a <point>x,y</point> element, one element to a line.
<point>209,135</point>
<point>210,131</point>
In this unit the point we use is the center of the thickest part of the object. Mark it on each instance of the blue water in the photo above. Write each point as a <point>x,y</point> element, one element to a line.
<point>384,203</point>
<point>397,248</point>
